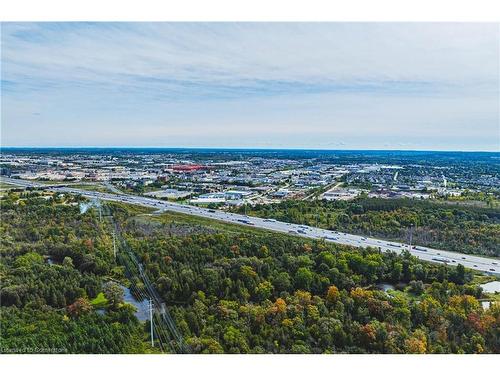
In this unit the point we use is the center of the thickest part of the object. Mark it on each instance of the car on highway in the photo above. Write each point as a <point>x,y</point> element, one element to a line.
<point>419,248</point>
<point>245,221</point>
<point>440,259</point>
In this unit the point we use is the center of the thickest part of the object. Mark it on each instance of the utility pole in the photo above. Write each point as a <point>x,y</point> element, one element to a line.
<point>411,233</point>
<point>151,320</point>
<point>114,244</point>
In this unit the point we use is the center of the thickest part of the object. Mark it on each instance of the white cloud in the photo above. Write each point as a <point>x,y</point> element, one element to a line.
<point>187,79</point>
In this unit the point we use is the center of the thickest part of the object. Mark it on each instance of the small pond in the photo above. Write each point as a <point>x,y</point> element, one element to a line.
<point>491,287</point>
<point>51,261</point>
<point>486,304</point>
<point>386,287</point>
<point>142,307</point>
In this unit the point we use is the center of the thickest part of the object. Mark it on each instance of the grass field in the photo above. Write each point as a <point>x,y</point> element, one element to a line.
<point>174,217</point>
<point>95,187</point>
<point>5,185</point>
<point>99,302</point>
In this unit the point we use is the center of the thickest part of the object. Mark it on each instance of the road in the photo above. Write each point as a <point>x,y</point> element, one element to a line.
<point>488,265</point>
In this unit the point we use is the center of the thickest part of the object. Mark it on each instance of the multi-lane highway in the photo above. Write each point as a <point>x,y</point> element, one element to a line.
<point>489,265</point>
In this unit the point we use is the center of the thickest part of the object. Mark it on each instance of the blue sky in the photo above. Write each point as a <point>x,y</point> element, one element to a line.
<point>265,85</point>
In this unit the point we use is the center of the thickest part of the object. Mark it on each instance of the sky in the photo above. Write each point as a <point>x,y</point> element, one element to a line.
<point>418,86</point>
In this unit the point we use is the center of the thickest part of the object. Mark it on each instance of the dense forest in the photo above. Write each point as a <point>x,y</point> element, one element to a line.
<point>54,262</point>
<point>255,292</point>
<point>466,229</point>
<point>229,289</point>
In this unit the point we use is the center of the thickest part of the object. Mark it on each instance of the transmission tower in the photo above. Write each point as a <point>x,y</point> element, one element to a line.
<point>151,321</point>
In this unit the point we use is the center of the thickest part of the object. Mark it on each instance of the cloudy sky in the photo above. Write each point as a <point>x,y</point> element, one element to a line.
<point>264,85</point>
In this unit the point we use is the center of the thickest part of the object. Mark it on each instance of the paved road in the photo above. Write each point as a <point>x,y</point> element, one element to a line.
<point>488,265</point>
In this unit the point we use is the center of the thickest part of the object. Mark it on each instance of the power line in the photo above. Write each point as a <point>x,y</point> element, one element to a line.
<point>161,321</point>
<point>161,334</point>
<point>114,244</point>
<point>151,319</point>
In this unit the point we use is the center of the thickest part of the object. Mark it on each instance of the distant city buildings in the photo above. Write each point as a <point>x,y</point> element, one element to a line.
<point>233,179</point>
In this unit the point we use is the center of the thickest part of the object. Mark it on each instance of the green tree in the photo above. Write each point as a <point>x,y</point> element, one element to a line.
<point>113,293</point>
<point>303,278</point>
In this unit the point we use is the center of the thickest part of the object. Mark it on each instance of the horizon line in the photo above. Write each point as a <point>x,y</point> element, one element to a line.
<point>230,148</point>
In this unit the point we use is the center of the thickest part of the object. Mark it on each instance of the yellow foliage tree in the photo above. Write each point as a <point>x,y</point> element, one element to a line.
<point>333,294</point>
<point>280,306</point>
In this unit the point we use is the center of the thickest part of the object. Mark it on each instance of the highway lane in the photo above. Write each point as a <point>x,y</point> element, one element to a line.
<point>484,264</point>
